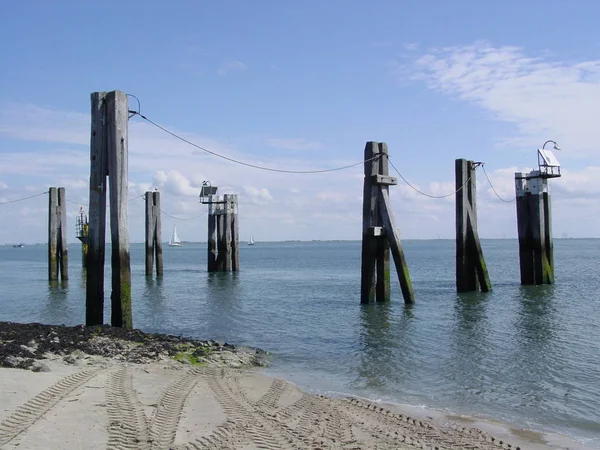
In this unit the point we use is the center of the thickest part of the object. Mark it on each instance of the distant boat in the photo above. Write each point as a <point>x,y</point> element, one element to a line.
<point>175,241</point>
<point>18,245</point>
<point>251,241</point>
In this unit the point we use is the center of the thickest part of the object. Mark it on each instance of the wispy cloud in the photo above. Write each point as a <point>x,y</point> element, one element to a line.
<point>543,98</point>
<point>231,66</point>
<point>295,144</point>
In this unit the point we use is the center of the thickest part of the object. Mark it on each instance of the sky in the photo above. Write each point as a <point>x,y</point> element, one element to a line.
<point>302,86</point>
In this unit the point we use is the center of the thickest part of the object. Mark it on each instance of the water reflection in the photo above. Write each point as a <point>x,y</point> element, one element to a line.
<point>155,301</point>
<point>469,346</point>
<point>57,306</point>
<point>535,324</point>
<point>223,308</point>
<point>382,345</point>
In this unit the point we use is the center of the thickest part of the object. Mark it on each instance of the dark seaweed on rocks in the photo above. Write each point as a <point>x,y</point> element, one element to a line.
<point>21,344</point>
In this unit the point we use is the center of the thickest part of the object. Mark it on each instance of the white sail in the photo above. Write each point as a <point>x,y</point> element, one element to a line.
<point>251,241</point>
<point>175,241</point>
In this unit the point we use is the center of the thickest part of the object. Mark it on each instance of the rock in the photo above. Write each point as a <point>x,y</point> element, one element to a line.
<point>55,340</point>
<point>39,366</point>
<point>12,361</point>
<point>28,349</point>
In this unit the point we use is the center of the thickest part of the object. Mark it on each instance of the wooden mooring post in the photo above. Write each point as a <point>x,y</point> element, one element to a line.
<point>58,255</point>
<point>223,230</point>
<point>109,158</point>
<point>536,254</point>
<point>379,231</point>
<point>471,270</point>
<point>153,233</point>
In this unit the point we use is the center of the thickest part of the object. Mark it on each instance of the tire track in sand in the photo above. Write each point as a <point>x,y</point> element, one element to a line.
<point>26,414</point>
<point>163,427</point>
<point>244,421</point>
<point>127,426</point>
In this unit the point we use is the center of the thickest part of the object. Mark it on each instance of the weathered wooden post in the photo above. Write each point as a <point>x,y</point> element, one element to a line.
<point>379,231</point>
<point>235,234</point>
<point>536,252</point>
<point>58,256</point>
<point>108,157</point>
<point>471,270</point>
<point>212,239</point>
<point>153,233</point>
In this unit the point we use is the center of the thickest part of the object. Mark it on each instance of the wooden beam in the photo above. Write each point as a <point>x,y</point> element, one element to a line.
<point>396,248</point>
<point>382,288</point>
<point>384,179</point>
<point>117,112</point>
<point>94,314</point>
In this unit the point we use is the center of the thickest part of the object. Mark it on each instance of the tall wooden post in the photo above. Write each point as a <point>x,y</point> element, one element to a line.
<point>58,256</point>
<point>235,234</point>
<point>212,239</point>
<point>471,270</point>
<point>226,245</point>
<point>153,233</point>
<point>379,231</point>
<point>536,254</point>
<point>109,158</point>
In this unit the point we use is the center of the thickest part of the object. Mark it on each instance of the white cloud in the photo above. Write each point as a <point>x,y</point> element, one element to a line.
<point>544,99</point>
<point>231,66</point>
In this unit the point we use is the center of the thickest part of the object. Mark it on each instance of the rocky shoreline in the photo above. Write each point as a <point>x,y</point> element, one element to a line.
<point>25,346</point>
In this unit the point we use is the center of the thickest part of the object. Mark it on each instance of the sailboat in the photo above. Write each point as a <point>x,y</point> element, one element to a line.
<point>251,241</point>
<point>175,241</point>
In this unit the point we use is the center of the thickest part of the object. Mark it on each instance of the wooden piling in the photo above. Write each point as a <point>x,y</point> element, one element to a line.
<point>158,249</point>
<point>97,213</point>
<point>227,235</point>
<point>471,270</point>
<point>58,256</point>
<point>379,231</point>
<point>221,246</point>
<point>212,239</point>
<point>117,116</point>
<point>153,233</point>
<point>52,234</point>
<point>536,257</point>
<point>235,235</point>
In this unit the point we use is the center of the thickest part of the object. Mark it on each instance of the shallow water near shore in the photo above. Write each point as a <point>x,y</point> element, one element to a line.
<point>525,356</point>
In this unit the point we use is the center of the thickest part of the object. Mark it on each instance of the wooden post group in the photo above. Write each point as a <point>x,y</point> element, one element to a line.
<point>223,234</point>
<point>153,233</point>
<point>471,270</point>
<point>536,254</point>
<point>108,158</point>
<point>379,231</point>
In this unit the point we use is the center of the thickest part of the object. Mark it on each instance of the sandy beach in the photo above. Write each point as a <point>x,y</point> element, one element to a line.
<point>82,401</point>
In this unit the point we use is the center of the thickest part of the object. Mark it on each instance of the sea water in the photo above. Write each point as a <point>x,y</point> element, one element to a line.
<point>527,356</point>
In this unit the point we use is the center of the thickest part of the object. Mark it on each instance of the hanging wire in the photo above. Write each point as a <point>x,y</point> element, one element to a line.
<point>139,110</point>
<point>424,193</point>
<point>493,189</point>
<point>21,199</point>
<point>254,166</point>
<point>179,218</point>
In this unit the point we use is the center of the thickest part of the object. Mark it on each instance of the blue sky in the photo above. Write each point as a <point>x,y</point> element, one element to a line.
<point>303,86</point>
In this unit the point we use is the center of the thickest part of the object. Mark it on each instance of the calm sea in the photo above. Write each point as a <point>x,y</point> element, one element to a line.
<point>528,356</point>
